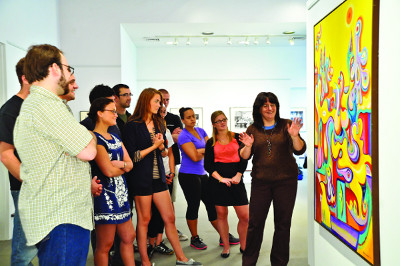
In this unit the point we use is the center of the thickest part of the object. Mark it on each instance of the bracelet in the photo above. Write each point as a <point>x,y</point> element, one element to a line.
<point>220,179</point>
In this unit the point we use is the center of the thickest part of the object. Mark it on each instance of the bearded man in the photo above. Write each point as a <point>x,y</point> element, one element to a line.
<point>55,201</point>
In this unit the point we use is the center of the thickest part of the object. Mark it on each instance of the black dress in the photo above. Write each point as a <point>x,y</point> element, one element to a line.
<point>222,195</point>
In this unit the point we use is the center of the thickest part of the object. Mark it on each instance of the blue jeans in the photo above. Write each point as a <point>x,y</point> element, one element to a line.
<point>21,254</point>
<point>66,244</point>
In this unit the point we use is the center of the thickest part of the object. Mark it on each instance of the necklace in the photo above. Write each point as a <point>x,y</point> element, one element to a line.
<point>269,143</point>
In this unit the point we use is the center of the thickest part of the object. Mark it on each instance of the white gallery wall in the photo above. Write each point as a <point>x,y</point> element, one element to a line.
<point>217,78</point>
<point>99,48</point>
<point>22,23</point>
<point>325,249</point>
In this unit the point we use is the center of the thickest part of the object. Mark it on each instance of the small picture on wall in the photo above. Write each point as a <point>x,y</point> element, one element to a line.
<point>83,114</point>
<point>298,113</point>
<point>240,118</point>
<point>198,112</point>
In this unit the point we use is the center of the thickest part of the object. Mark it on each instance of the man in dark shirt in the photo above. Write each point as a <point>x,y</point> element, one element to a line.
<point>97,92</point>
<point>21,254</point>
<point>122,101</point>
<point>174,124</point>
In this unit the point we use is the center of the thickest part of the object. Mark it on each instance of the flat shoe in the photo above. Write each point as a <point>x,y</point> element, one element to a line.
<point>225,255</point>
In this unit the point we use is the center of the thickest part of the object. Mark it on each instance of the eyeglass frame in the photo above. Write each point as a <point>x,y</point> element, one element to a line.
<point>125,94</point>
<point>221,121</point>
<point>69,68</point>
<point>112,111</point>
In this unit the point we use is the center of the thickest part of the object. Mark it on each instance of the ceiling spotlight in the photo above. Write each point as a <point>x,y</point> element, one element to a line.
<point>255,41</point>
<point>176,41</point>
<point>291,41</point>
<point>229,42</point>
<point>288,32</point>
<point>169,43</point>
<point>267,41</point>
<point>188,41</point>
<point>205,41</point>
<point>245,42</point>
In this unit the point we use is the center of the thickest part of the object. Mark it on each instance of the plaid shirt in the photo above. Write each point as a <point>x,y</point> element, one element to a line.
<point>56,184</point>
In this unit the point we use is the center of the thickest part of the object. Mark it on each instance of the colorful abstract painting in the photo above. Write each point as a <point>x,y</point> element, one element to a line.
<point>343,89</point>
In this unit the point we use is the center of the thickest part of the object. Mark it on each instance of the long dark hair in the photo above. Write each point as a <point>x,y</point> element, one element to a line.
<point>260,100</point>
<point>142,109</point>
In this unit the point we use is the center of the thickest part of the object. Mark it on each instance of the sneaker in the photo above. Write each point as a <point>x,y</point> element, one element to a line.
<point>232,240</point>
<point>182,237</point>
<point>197,243</point>
<point>150,251</point>
<point>189,262</point>
<point>163,249</point>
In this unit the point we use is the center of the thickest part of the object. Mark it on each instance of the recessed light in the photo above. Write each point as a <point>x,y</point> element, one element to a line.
<point>207,33</point>
<point>288,32</point>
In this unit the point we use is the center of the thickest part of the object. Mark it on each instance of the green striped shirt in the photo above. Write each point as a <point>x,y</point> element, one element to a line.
<point>56,184</point>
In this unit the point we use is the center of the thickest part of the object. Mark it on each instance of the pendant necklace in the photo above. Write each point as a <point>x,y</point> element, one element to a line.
<point>269,143</point>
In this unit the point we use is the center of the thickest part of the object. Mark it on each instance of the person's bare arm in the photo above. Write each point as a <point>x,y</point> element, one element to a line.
<point>90,151</point>
<point>192,152</point>
<point>171,164</point>
<point>9,159</point>
<point>103,161</point>
<point>126,164</point>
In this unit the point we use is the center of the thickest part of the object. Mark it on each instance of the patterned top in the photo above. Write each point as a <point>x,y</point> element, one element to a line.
<point>56,187</point>
<point>156,175</point>
<point>112,206</point>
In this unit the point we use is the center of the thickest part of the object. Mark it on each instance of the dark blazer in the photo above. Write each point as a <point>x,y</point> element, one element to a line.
<point>137,138</point>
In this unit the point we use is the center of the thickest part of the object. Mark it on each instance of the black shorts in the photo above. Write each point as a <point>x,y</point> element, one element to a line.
<point>157,186</point>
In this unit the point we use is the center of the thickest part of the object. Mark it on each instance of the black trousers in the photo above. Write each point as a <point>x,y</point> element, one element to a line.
<point>283,195</point>
<point>195,188</point>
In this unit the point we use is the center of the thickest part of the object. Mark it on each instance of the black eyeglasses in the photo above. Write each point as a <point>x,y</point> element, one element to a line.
<point>69,68</point>
<point>126,94</point>
<point>221,121</point>
<point>112,111</point>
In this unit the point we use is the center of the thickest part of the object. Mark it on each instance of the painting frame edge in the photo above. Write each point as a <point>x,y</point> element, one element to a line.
<point>374,132</point>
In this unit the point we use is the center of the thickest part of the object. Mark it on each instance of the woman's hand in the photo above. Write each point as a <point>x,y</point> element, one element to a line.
<point>226,181</point>
<point>247,140</point>
<point>201,151</point>
<point>236,179</point>
<point>295,127</point>
<point>158,140</point>
<point>169,178</point>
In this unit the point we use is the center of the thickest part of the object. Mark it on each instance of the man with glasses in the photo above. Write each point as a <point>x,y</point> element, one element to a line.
<point>55,199</point>
<point>122,101</point>
<point>21,254</point>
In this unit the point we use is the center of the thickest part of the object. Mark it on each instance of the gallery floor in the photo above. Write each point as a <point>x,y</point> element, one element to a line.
<point>211,256</point>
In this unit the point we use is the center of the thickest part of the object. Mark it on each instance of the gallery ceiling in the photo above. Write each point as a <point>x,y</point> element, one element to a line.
<point>265,28</point>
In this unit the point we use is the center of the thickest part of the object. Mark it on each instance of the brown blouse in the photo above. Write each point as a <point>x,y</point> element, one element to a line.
<point>278,163</point>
